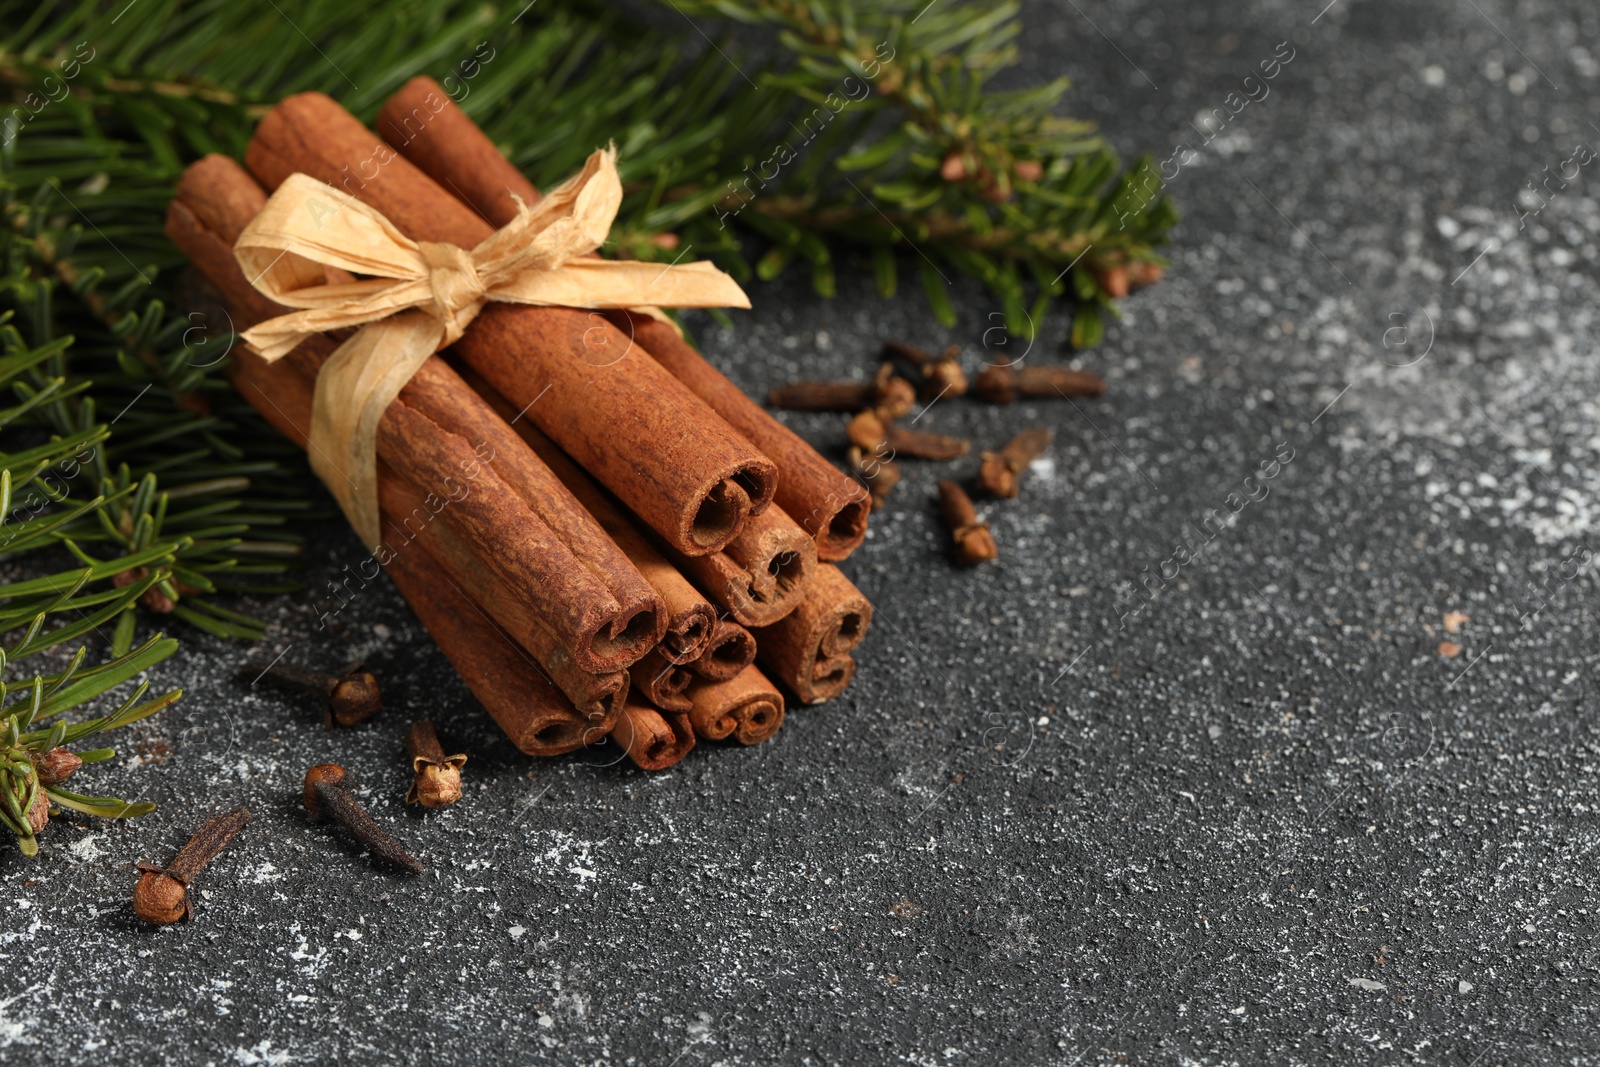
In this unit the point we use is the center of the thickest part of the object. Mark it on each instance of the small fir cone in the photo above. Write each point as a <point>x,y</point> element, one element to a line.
<point>973,542</point>
<point>1001,474</point>
<point>55,766</point>
<point>39,811</point>
<point>438,777</point>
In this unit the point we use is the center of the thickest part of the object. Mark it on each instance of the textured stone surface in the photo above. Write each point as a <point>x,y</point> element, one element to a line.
<point>1261,819</point>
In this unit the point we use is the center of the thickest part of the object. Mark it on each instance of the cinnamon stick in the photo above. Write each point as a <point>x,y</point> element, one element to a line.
<point>654,740</point>
<point>630,424</point>
<point>731,649</point>
<point>595,605</point>
<point>661,682</point>
<point>809,651</point>
<point>748,708</point>
<point>760,575</point>
<point>827,503</point>
<point>537,718</point>
<point>690,619</point>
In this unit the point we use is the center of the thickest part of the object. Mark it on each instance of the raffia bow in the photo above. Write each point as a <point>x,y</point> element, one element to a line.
<point>412,298</point>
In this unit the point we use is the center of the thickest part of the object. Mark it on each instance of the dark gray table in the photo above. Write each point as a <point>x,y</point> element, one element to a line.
<point>1260,820</point>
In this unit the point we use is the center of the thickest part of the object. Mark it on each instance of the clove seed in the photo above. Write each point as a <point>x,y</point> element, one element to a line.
<point>871,432</point>
<point>884,390</point>
<point>941,375</point>
<point>162,895</point>
<point>973,542</point>
<point>1005,383</point>
<point>1001,473</point>
<point>880,473</point>
<point>438,781</point>
<point>327,795</point>
<point>347,699</point>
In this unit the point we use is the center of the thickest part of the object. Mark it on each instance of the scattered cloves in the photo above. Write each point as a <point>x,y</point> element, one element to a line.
<point>1001,473</point>
<point>973,542</point>
<point>328,796</point>
<point>893,394</point>
<point>56,766</point>
<point>438,782</point>
<point>871,432</point>
<point>941,375</point>
<point>1004,384</point>
<point>162,895</point>
<point>347,699</point>
<point>879,473</point>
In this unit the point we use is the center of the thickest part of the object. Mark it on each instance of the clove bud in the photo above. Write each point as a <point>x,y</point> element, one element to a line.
<point>871,432</point>
<point>55,766</point>
<point>347,699</point>
<point>162,895</point>
<point>327,795</point>
<point>893,394</point>
<point>1004,384</point>
<point>438,781</point>
<point>1002,471</point>
<point>941,375</point>
<point>879,473</point>
<point>973,542</point>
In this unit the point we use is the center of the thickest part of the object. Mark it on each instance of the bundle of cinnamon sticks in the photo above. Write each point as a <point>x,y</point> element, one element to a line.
<point>600,531</point>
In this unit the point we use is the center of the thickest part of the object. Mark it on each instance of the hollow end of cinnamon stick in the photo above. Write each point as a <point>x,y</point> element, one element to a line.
<point>731,649</point>
<point>763,572</point>
<point>809,651</point>
<point>662,682</point>
<point>747,707</point>
<point>688,634</point>
<point>654,740</point>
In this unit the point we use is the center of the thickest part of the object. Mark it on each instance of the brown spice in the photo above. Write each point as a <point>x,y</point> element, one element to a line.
<point>872,432</point>
<point>732,648</point>
<point>892,394</point>
<point>1004,384</point>
<point>55,766</point>
<point>973,542</point>
<point>661,682</point>
<point>162,895</point>
<point>941,375</point>
<point>809,651</point>
<point>592,603</point>
<point>747,708</point>
<point>347,698</point>
<point>689,617</point>
<point>1001,473</point>
<point>459,156</point>
<point>761,574</point>
<point>327,795</point>
<point>1449,649</point>
<point>654,740</point>
<point>629,422</point>
<point>438,781</point>
<point>880,474</point>
<point>534,714</point>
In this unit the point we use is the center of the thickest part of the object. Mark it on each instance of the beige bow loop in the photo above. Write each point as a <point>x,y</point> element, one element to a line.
<point>412,298</point>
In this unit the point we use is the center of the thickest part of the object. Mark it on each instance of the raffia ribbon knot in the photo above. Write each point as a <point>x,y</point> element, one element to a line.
<point>412,298</point>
